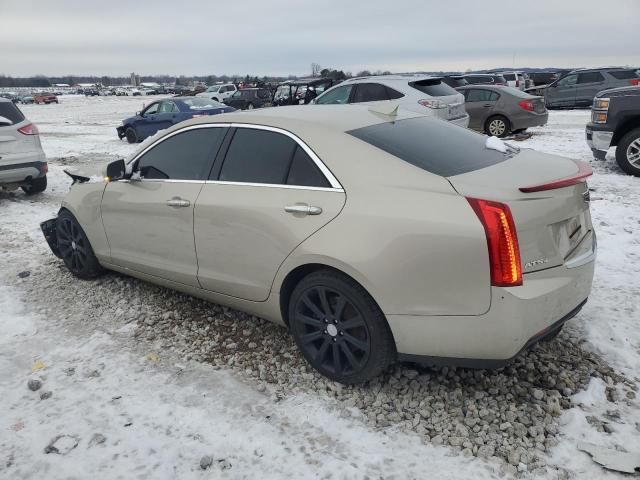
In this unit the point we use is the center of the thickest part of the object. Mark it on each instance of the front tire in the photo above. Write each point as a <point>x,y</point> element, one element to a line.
<point>339,328</point>
<point>628,152</point>
<point>131,135</point>
<point>37,185</point>
<point>497,126</point>
<point>75,248</point>
<point>250,106</point>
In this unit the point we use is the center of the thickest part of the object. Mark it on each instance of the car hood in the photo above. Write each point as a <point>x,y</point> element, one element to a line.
<point>619,92</point>
<point>130,119</point>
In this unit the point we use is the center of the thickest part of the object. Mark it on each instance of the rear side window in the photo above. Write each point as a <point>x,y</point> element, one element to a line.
<point>370,92</point>
<point>590,77</point>
<point>393,94</point>
<point>432,145</point>
<point>184,156</point>
<point>510,76</point>
<point>433,87</point>
<point>9,111</point>
<point>624,74</point>
<point>481,96</point>
<point>258,156</point>
<point>337,96</point>
<point>304,171</point>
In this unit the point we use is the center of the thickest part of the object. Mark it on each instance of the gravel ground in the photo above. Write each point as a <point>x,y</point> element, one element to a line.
<point>511,414</point>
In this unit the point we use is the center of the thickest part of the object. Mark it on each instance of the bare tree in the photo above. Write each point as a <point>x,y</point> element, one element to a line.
<point>315,70</point>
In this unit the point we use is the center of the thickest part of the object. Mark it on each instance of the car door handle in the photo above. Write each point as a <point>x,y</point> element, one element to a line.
<point>178,202</point>
<point>303,209</point>
<point>487,105</point>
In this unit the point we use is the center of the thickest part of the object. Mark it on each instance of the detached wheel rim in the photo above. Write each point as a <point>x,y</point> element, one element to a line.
<point>633,153</point>
<point>497,127</point>
<point>72,245</point>
<point>332,330</point>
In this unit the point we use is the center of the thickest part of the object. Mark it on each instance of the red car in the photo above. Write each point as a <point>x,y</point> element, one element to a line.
<point>45,98</point>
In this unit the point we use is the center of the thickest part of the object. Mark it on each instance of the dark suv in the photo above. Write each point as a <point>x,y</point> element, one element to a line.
<point>615,122</point>
<point>249,98</point>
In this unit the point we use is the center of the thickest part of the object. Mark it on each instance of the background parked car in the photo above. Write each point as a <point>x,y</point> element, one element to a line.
<point>485,79</point>
<point>578,88</point>
<point>455,81</point>
<point>249,98</point>
<point>500,111</point>
<point>218,93</point>
<point>26,99</point>
<point>164,113</point>
<point>416,93</point>
<point>300,92</point>
<point>22,161</point>
<point>543,78</point>
<point>615,122</point>
<point>45,98</point>
<point>515,79</point>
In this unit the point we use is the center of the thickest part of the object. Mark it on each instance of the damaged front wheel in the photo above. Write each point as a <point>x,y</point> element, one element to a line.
<point>75,249</point>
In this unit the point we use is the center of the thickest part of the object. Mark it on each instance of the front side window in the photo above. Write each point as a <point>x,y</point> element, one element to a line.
<point>590,77</point>
<point>370,92</point>
<point>257,156</point>
<point>184,156</point>
<point>167,107</point>
<point>568,81</point>
<point>337,96</point>
<point>153,108</point>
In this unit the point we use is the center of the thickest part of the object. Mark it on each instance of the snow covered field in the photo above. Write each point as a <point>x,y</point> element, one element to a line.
<point>142,382</point>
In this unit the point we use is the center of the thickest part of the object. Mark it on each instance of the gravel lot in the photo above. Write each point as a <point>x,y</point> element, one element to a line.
<point>523,420</point>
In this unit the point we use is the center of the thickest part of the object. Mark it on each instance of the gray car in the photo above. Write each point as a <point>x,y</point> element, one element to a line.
<point>578,88</point>
<point>500,111</point>
<point>22,161</point>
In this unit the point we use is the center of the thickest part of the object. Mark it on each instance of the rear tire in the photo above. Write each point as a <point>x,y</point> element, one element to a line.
<point>339,328</point>
<point>131,135</point>
<point>75,248</point>
<point>36,185</point>
<point>628,152</point>
<point>497,126</point>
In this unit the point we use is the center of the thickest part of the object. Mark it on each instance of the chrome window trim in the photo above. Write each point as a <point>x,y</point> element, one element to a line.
<point>333,181</point>
<point>275,185</point>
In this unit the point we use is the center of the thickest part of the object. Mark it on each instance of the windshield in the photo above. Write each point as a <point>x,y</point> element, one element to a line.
<point>433,145</point>
<point>215,88</point>
<point>283,91</point>
<point>199,103</point>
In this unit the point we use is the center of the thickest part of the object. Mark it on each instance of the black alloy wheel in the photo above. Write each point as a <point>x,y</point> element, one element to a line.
<point>339,328</point>
<point>75,249</point>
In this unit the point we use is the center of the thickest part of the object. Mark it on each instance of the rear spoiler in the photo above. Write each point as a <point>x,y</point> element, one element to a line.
<point>584,171</point>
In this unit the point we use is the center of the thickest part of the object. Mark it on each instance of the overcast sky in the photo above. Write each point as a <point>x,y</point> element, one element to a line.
<point>278,37</point>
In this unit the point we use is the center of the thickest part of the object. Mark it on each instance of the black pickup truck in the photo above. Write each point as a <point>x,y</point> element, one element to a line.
<point>615,122</point>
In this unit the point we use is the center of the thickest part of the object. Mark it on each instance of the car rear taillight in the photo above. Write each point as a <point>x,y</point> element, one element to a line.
<point>527,105</point>
<point>584,171</point>
<point>518,83</point>
<point>29,129</point>
<point>43,167</point>
<point>634,81</point>
<point>502,241</point>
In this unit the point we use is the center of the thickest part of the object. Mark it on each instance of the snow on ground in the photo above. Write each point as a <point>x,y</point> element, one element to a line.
<point>135,412</point>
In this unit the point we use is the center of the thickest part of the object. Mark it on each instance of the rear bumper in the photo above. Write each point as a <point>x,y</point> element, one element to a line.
<point>31,165</point>
<point>518,317</point>
<point>530,120</point>
<point>461,121</point>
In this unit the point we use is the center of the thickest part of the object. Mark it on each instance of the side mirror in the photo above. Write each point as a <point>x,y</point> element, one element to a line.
<point>139,113</point>
<point>116,170</point>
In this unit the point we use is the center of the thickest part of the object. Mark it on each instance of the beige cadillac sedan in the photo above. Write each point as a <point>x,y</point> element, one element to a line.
<point>372,236</point>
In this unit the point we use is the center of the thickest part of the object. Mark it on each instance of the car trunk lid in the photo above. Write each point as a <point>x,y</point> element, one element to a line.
<point>549,200</point>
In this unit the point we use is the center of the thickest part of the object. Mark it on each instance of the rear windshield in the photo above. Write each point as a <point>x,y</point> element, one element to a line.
<point>510,76</point>
<point>431,144</point>
<point>516,92</point>
<point>624,74</point>
<point>200,103</point>
<point>10,111</point>
<point>433,87</point>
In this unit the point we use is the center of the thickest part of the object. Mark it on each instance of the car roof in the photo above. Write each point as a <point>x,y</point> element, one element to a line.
<point>602,69</point>
<point>395,77</point>
<point>4,100</point>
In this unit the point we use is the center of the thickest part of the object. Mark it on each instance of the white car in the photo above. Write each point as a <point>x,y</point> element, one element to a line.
<point>22,161</point>
<point>515,79</point>
<point>416,93</point>
<point>219,93</point>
